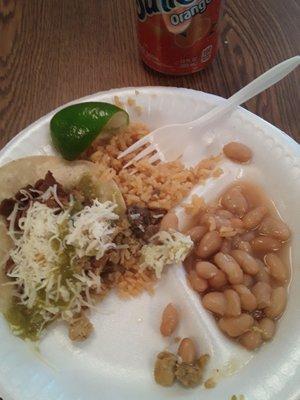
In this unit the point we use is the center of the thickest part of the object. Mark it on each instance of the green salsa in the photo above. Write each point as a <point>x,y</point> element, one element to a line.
<point>24,322</point>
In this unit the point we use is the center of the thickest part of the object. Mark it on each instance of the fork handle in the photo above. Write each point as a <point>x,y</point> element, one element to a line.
<point>255,87</point>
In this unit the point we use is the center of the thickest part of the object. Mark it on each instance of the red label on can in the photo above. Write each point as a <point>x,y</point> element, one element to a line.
<point>178,36</point>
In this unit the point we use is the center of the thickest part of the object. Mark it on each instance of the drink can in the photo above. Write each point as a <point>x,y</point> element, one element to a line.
<point>178,36</point>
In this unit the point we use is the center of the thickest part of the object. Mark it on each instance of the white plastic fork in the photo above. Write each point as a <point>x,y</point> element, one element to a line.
<point>169,142</point>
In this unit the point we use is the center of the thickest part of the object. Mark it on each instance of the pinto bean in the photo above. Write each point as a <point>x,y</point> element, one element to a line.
<point>209,244</point>
<point>248,300</point>
<point>231,268</point>
<point>234,201</point>
<point>263,274</point>
<point>206,270</point>
<point>169,221</point>
<point>278,303</point>
<point>215,302</point>
<point>218,281</point>
<point>169,320</point>
<point>197,232</point>
<point>233,306</point>
<point>276,267</point>
<point>187,351</point>
<point>236,326</point>
<point>197,283</point>
<point>237,152</point>
<point>251,340</point>
<point>254,217</point>
<point>248,280</point>
<point>275,228</point>
<point>268,328</point>
<point>265,244</point>
<point>262,292</point>
<point>246,261</point>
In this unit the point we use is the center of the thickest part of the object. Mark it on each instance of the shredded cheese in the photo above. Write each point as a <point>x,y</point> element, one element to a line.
<point>166,247</point>
<point>39,248</point>
<point>91,229</point>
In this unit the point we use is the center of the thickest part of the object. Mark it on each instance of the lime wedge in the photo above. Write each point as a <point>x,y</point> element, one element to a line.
<point>75,127</point>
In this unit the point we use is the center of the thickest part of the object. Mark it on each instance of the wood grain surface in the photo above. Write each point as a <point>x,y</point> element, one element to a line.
<point>54,51</point>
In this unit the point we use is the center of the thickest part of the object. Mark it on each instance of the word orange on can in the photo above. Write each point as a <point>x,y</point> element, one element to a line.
<point>178,36</point>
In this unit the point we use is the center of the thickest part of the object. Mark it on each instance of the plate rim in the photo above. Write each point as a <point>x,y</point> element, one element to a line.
<point>280,135</point>
<point>291,142</point>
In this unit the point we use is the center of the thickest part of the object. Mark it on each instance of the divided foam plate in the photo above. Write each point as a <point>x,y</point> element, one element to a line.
<point>116,362</point>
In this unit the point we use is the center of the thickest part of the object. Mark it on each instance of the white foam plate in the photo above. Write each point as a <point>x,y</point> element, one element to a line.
<point>116,362</point>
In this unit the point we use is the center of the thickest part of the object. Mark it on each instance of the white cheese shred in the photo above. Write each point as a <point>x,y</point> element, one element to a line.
<point>166,247</point>
<point>39,248</point>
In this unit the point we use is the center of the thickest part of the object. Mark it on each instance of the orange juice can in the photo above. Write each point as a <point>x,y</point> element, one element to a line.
<point>178,37</point>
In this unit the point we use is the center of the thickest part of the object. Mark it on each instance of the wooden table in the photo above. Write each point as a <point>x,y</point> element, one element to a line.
<point>54,51</point>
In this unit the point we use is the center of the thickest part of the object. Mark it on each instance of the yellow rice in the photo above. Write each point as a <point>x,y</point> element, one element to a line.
<point>154,186</point>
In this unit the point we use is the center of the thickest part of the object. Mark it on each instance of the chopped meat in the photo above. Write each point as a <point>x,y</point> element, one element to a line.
<point>22,198</point>
<point>8,266</point>
<point>99,265</point>
<point>48,181</point>
<point>80,328</point>
<point>145,222</point>
<point>24,201</point>
<point>7,206</point>
<point>44,184</point>
<point>164,370</point>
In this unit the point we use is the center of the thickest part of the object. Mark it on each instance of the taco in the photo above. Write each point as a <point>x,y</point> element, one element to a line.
<point>58,220</point>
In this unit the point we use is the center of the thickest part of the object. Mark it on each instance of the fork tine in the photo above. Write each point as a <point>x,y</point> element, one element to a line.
<point>135,146</point>
<point>140,155</point>
<point>154,158</point>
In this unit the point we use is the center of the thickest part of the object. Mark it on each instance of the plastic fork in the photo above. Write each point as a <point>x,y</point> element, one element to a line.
<point>169,142</point>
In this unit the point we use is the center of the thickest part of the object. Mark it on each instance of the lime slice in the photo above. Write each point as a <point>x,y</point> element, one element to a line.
<point>75,127</point>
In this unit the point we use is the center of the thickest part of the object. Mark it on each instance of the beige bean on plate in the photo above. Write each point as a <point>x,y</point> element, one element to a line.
<point>265,244</point>
<point>215,302</point>
<point>197,283</point>
<point>233,306</point>
<point>276,228</point>
<point>206,270</point>
<point>234,201</point>
<point>248,280</point>
<point>209,244</point>
<point>246,261</point>
<point>268,328</point>
<point>263,274</point>
<point>251,340</point>
<point>262,292</point>
<point>204,219</point>
<point>245,246</point>
<point>276,267</point>
<point>254,217</point>
<point>169,221</point>
<point>248,300</point>
<point>169,320</point>
<point>236,326</point>
<point>237,152</point>
<point>278,303</point>
<point>231,268</point>
<point>218,281</point>
<point>187,351</point>
<point>224,214</point>
<point>226,246</point>
<point>197,232</point>
<point>247,236</point>
<point>237,223</point>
